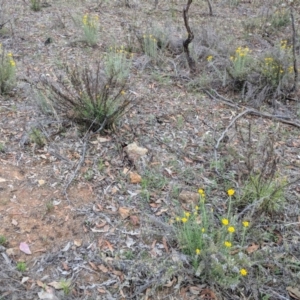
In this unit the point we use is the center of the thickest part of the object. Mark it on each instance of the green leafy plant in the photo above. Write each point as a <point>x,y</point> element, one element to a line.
<point>88,175</point>
<point>128,254</point>
<point>65,285</point>
<point>37,137</point>
<point>7,71</point>
<point>2,148</point>
<point>36,5</point>
<point>21,266</point>
<point>90,26</point>
<point>208,243</point>
<point>96,99</point>
<point>3,240</point>
<point>49,206</point>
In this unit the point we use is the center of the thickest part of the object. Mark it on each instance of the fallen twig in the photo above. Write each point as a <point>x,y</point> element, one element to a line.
<point>79,165</point>
<point>223,135</point>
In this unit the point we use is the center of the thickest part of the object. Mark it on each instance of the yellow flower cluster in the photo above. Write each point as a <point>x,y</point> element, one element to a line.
<point>90,22</point>
<point>240,53</point>
<point>9,55</point>
<point>184,219</point>
<point>283,45</point>
<point>272,66</point>
<point>209,58</point>
<point>11,60</point>
<point>149,37</point>
<point>120,50</point>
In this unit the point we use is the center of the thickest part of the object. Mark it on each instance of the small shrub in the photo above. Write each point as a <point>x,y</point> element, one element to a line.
<point>268,194</point>
<point>36,5</point>
<point>3,240</point>
<point>276,68</point>
<point>65,285</point>
<point>94,98</point>
<point>117,64</point>
<point>21,266</point>
<point>280,18</point>
<point>2,148</point>
<point>7,71</point>
<point>209,243</point>
<point>90,26</point>
<point>49,206</point>
<point>37,137</point>
<point>240,67</point>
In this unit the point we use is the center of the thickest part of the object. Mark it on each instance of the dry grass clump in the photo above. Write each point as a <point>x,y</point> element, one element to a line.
<point>91,97</point>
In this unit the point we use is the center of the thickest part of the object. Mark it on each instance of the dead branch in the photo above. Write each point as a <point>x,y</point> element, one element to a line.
<point>252,111</point>
<point>294,88</point>
<point>79,165</point>
<point>223,135</point>
<point>209,7</point>
<point>190,60</point>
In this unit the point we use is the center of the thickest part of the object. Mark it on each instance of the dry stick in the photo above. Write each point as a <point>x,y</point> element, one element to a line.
<point>223,135</point>
<point>253,111</point>
<point>294,88</point>
<point>210,8</point>
<point>186,43</point>
<point>86,139</point>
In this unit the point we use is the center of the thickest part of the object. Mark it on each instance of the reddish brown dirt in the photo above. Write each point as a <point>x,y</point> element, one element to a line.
<point>27,215</point>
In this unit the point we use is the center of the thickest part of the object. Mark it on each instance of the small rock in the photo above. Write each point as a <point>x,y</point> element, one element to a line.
<point>41,182</point>
<point>135,177</point>
<point>10,252</point>
<point>189,197</point>
<point>134,152</point>
<point>77,243</point>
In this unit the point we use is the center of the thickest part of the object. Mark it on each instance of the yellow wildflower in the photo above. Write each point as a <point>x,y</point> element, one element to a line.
<point>198,251</point>
<point>209,58</point>
<point>231,229</point>
<point>230,192</point>
<point>283,44</point>
<point>177,219</point>
<point>291,69</point>
<point>225,222</point>
<point>9,54</point>
<point>196,207</point>
<point>227,244</point>
<point>243,272</point>
<point>187,214</point>
<point>245,224</point>
<point>123,92</point>
<point>203,230</point>
<point>201,192</point>
<point>12,63</point>
<point>184,220</point>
